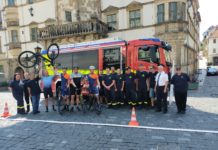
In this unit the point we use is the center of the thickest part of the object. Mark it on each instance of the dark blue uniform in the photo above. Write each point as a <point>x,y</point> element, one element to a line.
<point>110,94</point>
<point>142,87</point>
<point>101,90</point>
<point>130,91</point>
<point>119,98</point>
<point>18,91</point>
<point>180,83</point>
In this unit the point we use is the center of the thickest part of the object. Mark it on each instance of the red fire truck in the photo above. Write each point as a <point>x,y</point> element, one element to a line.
<point>115,52</point>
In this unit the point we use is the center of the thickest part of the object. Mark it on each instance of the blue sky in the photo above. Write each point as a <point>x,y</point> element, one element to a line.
<point>209,14</point>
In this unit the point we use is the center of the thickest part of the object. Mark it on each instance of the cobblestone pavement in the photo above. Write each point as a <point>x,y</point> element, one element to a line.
<point>197,129</point>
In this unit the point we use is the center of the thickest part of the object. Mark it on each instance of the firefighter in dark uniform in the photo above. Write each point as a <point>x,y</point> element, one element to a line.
<point>180,81</point>
<point>119,87</point>
<point>101,90</point>
<point>26,92</point>
<point>142,85</point>
<point>16,87</point>
<point>109,89</point>
<point>130,91</point>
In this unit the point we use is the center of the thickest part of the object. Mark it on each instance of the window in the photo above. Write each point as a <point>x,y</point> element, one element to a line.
<point>112,22</point>
<point>33,34</point>
<point>160,13</point>
<point>167,55</point>
<point>11,2</point>
<point>173,11</point>
<point>30,1</point>
<point>214,41</point>
<point>88,58</point>
<point>214,50</point>
<point>14,36</point>
<point>74,59</point>
<point>134,18</point>
<point>65,59</point>
<point>144,55</point>
<point>68,16</point>
<point>111,58</point>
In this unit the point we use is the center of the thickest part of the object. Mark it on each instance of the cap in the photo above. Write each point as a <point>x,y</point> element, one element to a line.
<point>91,67</point>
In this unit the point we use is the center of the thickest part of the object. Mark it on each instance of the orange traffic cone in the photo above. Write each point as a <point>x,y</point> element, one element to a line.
<point>133,121</point>
<point>6,111</point>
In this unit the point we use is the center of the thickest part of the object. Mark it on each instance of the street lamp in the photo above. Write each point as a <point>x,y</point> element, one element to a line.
<point>31,11</point>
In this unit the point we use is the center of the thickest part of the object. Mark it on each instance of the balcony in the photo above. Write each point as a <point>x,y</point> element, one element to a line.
<point>11,14</point>
<point>14,45</point>
<point>12,23</point>
<point>73,29</point>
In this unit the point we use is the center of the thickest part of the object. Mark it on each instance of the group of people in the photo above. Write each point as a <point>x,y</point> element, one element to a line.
<point>112,88</point>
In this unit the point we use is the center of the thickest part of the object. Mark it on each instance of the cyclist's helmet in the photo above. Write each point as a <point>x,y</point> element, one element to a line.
<point>91,67</point>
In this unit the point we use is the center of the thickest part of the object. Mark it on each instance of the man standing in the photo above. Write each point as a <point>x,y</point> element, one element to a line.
<point>142,85</point>
<point>108,83</point>
<point>130,87</point>
<point>75,88</point>
<point>119,87</point>
<point>16,87</point>
<point>65,90</point>
<point>161,85</point>
<point>180,81</point>
<point>47,89</point>
<point>94,86</point>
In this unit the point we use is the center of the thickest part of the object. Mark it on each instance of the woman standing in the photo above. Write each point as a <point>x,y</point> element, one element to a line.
<point>17,89</point>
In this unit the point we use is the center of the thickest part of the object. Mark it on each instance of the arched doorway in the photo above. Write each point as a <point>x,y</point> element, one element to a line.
<point>20,71</point>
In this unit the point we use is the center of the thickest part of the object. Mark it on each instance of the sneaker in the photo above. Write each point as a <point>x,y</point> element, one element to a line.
<point>72,109</point>
<point>78,108</point>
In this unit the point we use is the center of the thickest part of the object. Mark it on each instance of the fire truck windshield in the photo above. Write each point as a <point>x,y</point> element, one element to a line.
<point>144,54</point>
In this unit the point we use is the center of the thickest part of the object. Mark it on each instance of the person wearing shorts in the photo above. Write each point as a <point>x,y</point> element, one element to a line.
<point>65,91</point>
<point>47,83</point>
<point>94,84</point>
<point>75,88</point>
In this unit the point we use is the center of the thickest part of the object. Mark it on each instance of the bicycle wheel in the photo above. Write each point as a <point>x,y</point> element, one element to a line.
<point>53,51</point>
<point>27,59</point>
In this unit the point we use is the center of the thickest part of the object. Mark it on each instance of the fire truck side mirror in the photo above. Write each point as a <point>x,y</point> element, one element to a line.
<point>153,51</point>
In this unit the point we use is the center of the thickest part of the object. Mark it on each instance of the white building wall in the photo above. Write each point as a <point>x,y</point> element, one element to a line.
<point>149,15</point>
<point>41,10</point>
<point>134,34</point>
